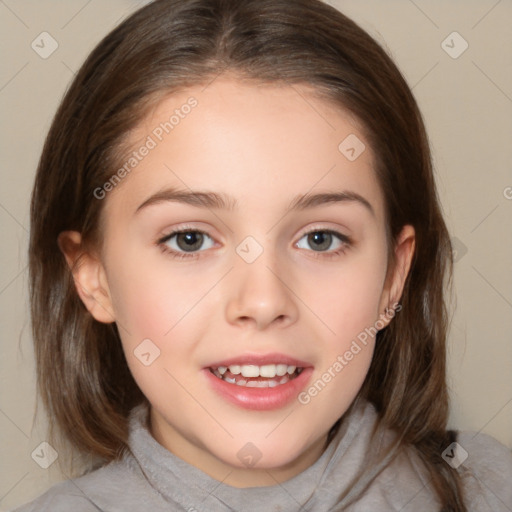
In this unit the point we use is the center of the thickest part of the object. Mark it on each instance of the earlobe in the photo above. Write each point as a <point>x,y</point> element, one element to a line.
<point>404,253</point>
<point>88,275</point>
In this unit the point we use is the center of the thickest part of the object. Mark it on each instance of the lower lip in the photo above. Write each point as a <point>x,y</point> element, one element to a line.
<point>259,399</point>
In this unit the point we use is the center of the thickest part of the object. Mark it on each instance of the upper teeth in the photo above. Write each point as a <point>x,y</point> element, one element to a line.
<point>250,370</point>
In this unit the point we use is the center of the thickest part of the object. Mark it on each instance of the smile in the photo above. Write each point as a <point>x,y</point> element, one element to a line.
<point>253,376</point>
<point>258,382</point>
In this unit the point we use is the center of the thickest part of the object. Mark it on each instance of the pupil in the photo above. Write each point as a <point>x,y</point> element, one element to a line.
<point>321,239</point>
<point>192,241</point>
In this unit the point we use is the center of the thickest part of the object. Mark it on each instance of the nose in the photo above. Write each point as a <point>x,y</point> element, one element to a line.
<point>260,295</point>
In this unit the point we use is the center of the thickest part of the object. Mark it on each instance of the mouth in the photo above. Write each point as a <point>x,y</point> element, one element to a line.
<point>259,382</point>
<point>254,376</point>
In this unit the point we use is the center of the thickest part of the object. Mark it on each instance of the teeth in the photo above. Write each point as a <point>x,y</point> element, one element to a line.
<point>266,382</point>
<point>250,370</point>
<point>268,371</point>
<point>234,369</point>
<point>281,369</point>
<point>257,384</point>
<point>271,375</point>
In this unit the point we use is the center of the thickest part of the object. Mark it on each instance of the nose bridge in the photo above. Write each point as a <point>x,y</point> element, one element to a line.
<point>258,292</point>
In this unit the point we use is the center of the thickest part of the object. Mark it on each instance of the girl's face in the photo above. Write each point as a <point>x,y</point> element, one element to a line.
<point>282,265</point>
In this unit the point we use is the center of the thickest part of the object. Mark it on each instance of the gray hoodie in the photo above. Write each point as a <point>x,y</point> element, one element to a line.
<point>153,479</point>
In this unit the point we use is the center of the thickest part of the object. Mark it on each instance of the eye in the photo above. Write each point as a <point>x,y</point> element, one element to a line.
<point>180,242</point>
<point>324,240</point>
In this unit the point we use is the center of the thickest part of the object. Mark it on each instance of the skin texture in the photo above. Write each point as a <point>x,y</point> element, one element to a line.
<point>262,145</point>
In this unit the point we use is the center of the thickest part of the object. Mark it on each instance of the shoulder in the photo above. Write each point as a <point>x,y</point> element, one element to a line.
<point>484,464</point>
<point>90,492</point>
<point>486,469</point>
<point>61,497</point>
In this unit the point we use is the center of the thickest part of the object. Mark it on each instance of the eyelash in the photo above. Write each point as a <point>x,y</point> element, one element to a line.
<point>345,240</point>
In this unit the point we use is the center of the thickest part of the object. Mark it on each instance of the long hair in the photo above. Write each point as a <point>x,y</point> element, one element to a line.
<point>83,377</point>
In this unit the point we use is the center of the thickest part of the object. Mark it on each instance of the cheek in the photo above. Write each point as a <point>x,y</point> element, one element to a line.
<point>154,307</point>
<point>348,306</point>
<point>140,306</point>
<point>347,301</point>
<point>346,297</point>
<point>147,299</point>
<point>148,304</point>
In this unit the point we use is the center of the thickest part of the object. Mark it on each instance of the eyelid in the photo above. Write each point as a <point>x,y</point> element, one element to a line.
<point>178,254</point>
<point>345,240</point>
<point>335,231</point>
<point>182,228</point>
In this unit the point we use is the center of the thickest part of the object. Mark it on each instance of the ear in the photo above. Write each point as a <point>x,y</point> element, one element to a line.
<point>395,280</point>
<point>89,276</point>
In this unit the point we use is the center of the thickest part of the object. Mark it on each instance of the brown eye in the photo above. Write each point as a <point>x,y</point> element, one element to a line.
<point>189,241</point>
<point>186,241</point>
<point>320,240</point>
<point>324,243</point>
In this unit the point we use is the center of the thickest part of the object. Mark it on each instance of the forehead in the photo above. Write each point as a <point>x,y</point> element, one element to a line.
<point>251,142</point>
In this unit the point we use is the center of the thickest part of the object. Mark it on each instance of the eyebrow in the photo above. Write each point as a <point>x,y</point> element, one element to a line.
<point>214,200</point>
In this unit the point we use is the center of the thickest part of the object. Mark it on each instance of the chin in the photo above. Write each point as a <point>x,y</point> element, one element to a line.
<point>264,453</point>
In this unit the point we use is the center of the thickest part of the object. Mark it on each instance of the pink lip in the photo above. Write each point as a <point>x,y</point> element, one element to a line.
<point>260,360</point>
<point>259,399</point>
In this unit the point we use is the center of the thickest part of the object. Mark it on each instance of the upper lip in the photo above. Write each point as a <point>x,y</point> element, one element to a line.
<point>260,360</point>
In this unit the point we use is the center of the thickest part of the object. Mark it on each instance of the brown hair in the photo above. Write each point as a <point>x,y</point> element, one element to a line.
<point>166,46</point>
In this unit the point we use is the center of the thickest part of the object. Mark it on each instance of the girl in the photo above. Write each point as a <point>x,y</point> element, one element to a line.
<point>237,266</point>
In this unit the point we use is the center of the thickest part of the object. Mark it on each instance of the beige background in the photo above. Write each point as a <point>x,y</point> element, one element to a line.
<point>467,104</point>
